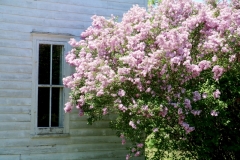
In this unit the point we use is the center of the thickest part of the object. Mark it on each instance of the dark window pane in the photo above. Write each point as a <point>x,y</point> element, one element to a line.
<point>44,64</point>
<point>43,107</point>
<point>56,64</point>
<point>55,106</point>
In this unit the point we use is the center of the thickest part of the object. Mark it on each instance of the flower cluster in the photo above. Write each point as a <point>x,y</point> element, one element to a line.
<point>142,68</point>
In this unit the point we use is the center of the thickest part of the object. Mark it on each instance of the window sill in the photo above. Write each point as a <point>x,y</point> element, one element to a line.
<point>52,135</point>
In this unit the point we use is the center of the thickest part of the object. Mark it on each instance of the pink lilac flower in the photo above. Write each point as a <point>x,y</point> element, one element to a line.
<point>122,107</point>
<point>131,123</point>
<point>216,94</point>
<point>68,107</point>
<point>218,71</point>
<point>196,112</point>
<point>155,130</point>
<point>137,154</point>
<point>145,107</point>
<point>140,145</point>
<point>164,111</point>
<point>133,149</point>
<point>190,129</point>
<point>81,112</point>
<point>232,58</point>
<point>122,136</point>
<point>127,156</point>
<point>180,111</point>
<point>121,93</point>
<point>81,102</point>
<point>123,141</point>
<point>203,65</point>
<point>148,90</point>
<point>99,93</point>
<point>204,95</point>
<point>196,96</point>
<point>214,113</point>
<point>214,58</point>
<point>105,111</point>
<point>187,104</point>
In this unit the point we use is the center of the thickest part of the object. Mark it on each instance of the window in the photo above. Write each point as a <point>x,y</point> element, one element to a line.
<point>49,68</point>
<point>50,88</point>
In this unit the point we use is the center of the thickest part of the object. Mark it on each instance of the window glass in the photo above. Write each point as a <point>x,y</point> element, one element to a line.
<point>56,98</point>
<point>50,85</point>
<point>44,64</point>
<point>43,107</point>
<point>56,64</point>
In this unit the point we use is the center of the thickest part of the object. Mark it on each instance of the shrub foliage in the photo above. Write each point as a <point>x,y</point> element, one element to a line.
<point>170,73</point>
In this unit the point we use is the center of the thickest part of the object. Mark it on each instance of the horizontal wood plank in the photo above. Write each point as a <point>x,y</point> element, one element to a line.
<point>92,132</point>
<point>15,101</point>
<point>16,77</point>
<point>14,134</point>
<point>24,142</point>
<point>92,7</point>
<point>15,85</point>
<point>14,35</point>
<point>15,118</point>
<point>9,157</point>
<point>47,152</point>
<point>15,109</point>
<point>31,28</point>
<point>15,93</point>
<point>7,126</point>
<point>20,44</point>
<point>41,21</point>
<point>54,15</point>
<point>11,68</point>
<point>5,59</point>
<point>83,124</point>
<point>8,51</point>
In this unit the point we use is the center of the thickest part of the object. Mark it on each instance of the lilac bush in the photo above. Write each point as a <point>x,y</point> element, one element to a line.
<point>158,70</point>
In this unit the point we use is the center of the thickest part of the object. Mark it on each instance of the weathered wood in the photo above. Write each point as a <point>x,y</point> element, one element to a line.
<point>41,22</point>
<point>12,51</point>
<point>14,118</point>
<point>16,77</point>
<point>77,155</point>
<point>58,15</point>
<point>13,142</point>
<point>75,117</point>
<point>11,68</point>
<point>15,93</point>
<point>95,139</point>
<point>14,134</point>
<point>88,7</point>
<point>20,36</point>
<point>15,85</point>
<point>15,60</point>
<point>9,157</point>
<point>21,44</point>
<point>29,28</point>
<point>92,132</point>
<point>15,109</point>
<point>15,101</point>
<point>83,124</point>
<point>53,148</point>
<point>7,126</point>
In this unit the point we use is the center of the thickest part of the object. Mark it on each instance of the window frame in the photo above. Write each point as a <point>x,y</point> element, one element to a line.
<point>53,39</point>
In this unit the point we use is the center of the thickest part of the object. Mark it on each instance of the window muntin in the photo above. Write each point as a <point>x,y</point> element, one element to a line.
<point>50,88</point>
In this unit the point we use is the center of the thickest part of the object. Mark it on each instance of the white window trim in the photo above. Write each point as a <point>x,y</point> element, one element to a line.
<point>50,38</point>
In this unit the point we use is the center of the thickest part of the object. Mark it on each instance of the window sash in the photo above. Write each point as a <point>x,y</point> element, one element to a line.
<point>51,86</point>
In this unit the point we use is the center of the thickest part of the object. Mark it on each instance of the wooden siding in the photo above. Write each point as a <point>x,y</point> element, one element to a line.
<point>18,18</point>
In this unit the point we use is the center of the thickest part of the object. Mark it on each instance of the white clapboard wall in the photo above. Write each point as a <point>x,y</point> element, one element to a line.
<point>18,18</point>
